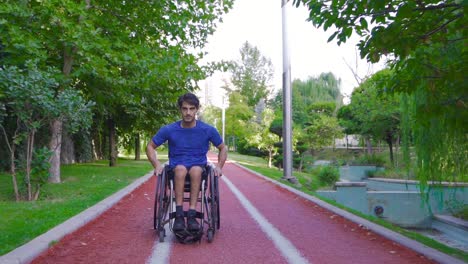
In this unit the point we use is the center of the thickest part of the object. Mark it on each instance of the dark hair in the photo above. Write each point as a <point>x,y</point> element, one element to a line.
<point>189,98</point>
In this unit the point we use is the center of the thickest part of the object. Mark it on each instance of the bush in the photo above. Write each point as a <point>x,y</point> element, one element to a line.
<point>369,160</point>
<point>328,175</point>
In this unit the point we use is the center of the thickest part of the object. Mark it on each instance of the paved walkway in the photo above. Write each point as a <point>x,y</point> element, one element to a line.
<point>262,221</point>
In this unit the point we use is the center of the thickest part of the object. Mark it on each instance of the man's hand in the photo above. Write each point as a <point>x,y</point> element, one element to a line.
<point>218,171</point>
<point>158,170</point>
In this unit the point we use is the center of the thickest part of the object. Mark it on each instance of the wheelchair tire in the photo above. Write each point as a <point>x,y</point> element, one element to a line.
<point>159,207</point>
<point>218,214</point>
<point>214,204</point>
<point>156,199</point>
<point>210,235</point>
<point>161,234</point>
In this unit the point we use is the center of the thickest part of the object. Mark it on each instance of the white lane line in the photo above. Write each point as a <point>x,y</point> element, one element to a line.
<point>285,246</point>
<point>162,250</point>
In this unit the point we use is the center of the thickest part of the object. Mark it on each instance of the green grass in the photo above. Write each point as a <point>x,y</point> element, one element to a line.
<point>308,181</point>
<point>83,185</point>
<point>463,213</point>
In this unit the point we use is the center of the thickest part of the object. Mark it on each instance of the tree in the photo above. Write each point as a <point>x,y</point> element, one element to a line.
<point>324,88</point>
<point>212,115</point>
<point>263,139</point>
<point>252,75</point>
<point>316,95</point>
<point>121,51</point>
<point>321,128</point>
<point>30,97</point>
<point>375,112</point>
<point>347,121</point>
<point>426,42</point>
<point>239,118</point>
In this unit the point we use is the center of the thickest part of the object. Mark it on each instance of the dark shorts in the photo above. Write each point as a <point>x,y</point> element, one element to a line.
<point>203,166</point>
<point>187,177</point>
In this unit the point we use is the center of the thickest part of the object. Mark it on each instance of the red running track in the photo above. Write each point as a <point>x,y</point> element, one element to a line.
<point>124,233</point>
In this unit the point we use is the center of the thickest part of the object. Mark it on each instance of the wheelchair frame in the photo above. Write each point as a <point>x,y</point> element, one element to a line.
<point>208,205</point>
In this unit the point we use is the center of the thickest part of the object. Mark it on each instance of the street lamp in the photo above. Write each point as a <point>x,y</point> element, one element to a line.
<point>287,98</point>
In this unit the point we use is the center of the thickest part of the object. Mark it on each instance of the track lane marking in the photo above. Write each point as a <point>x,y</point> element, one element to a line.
<point>161,251</point>
<point>287,249</point>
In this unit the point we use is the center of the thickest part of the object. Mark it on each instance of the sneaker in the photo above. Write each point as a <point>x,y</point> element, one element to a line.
<point>192,223</point>
<point>179,223</point>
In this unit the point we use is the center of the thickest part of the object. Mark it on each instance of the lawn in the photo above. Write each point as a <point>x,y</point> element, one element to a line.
<point>82,186</point>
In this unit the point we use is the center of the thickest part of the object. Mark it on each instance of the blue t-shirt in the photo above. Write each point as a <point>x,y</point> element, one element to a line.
<point>187,146</point>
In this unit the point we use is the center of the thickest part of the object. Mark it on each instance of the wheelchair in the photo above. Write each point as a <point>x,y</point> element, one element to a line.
<point>207,205</point>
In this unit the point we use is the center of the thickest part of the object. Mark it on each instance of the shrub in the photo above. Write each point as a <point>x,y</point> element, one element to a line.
<point>328,175</point>
<point>369,160</point>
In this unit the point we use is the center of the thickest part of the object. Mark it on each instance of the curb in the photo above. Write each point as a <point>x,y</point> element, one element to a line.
<point>29,251</point>
<point>418,247</point>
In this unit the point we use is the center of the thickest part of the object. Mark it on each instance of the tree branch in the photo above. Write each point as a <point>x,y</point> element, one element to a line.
<point>435,7</point>
<point>440,27</point>
<point>6,138</point>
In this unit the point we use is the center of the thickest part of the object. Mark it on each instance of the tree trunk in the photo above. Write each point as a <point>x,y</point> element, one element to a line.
<point>13,171</point>
<point>12,148</point>
<point>397,148</point>
<point>67,153</point>
<point>301,162</point>
<point>270,157</point>
<point>369,146</point>
<point>137,146</point>
<point>97,144</point>
<point>56,126</point>
<point>55,147</point>
<point>112,143</point>
<point>390,146</point>
<point>29,157</point>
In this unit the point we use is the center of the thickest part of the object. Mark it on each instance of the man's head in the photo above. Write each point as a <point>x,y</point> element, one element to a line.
<point>188,106</point>
<point>190,99</point>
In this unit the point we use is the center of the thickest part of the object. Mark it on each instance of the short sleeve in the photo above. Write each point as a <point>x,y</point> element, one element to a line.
<point>161,136</point>
<point>215,138</point>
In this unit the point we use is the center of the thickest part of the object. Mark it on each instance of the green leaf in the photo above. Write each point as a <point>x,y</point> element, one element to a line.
<point>333,36</point>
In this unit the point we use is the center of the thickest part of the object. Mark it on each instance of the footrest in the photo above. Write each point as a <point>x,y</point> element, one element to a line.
<point>198,215</point>
<point>188,237</point>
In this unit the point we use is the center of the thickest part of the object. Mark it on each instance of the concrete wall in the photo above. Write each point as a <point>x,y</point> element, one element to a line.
<point>355,173</point>
<point>443,197</point>
<point>403,206</point>
<point>405,209</point>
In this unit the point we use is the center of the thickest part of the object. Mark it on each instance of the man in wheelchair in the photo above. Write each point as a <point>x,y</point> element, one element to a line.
<point>188,141</point>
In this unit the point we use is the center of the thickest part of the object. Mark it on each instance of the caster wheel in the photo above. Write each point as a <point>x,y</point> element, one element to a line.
<point>162,234</point>
<point>210,235</point>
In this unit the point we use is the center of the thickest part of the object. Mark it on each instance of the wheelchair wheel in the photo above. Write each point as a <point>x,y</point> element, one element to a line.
<point>217,212</point>
<point>214,205</point>
<point>160,202</point>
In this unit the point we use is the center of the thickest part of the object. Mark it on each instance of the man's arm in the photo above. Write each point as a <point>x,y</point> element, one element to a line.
<point>222,156</point>
<point>153,157</point>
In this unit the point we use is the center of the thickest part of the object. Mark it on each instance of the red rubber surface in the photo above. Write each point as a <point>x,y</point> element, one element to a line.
<point>124,233</point>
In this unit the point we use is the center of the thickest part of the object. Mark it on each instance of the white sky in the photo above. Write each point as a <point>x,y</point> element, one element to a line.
<point>260,23</point>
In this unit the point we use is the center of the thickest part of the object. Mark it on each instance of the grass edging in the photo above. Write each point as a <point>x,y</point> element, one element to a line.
<point>32,249</point>
<point>401,238</point>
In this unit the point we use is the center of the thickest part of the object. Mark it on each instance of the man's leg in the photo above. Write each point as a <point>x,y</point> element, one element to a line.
<point>195,180</point>
<point>179,180</point>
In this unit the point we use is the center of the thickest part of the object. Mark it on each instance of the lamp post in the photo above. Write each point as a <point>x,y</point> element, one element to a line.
<point>223,116</point>
<point>287,98</point>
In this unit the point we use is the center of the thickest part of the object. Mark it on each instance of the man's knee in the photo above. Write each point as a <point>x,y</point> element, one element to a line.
<point>195,173</point>
<point>180,171</point>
